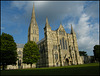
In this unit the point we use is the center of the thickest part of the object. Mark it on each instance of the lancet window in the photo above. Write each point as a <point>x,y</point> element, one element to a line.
<point>56,56</point>
<point>19,52</point>
<point>61,32</point>
<point>54,46</point>
<point>63,43</point>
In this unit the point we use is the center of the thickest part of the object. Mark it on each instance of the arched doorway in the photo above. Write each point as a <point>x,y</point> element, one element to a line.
<point>57,64</point>
<point>66,63</point>
<point>19,64</point>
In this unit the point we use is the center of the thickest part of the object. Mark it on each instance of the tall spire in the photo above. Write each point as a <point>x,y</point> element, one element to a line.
<point>33,19</point>
<point>33,33</point>
<point>61,26</point>
<point>33,12</point>
<point>72,31</point>
<point>47,22</point>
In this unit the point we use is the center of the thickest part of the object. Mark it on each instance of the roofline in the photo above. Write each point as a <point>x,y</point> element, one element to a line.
<point>40,41</point>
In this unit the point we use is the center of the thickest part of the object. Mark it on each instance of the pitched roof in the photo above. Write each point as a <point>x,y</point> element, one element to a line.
<point>20,45</point>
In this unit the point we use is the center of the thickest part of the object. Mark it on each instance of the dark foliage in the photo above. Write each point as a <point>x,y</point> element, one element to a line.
<point>30,53</point>
<point>8,54</point>
<point>82,53</point>
<point>97,52</point>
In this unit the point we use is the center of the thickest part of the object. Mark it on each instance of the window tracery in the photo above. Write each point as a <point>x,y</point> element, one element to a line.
<point>19,52</point>
<point>61,44</point>
<point>54,46</point>
<point>56,57</point>
<point>61,32</point>
<point>65,44</point>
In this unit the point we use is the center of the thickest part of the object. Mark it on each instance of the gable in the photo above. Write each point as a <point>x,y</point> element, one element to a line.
<point>61,30</point>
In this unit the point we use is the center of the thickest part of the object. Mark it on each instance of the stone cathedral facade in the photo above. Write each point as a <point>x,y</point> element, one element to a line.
<point>57,48</point>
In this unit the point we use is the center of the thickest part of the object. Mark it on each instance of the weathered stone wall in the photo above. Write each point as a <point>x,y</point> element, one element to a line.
<point>60,53</point>
<point>19,62</point>
<point>87,59</point>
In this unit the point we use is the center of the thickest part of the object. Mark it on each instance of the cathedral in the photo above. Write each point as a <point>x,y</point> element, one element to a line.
<point>57,48</point>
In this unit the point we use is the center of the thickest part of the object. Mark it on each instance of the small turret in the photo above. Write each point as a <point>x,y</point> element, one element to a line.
<point>47,27</point>
<point>72,31</point>
<point>47,23</point>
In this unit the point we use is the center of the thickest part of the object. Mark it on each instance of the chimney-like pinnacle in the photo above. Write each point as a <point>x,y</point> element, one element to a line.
<point>72,31</point>
<point>47,22</point>
<point>33,12</point>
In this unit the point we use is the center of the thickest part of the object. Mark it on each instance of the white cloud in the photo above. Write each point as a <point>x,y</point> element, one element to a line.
<point>92,9</point>
<point>85,39</point>
<point>47,8</point>
<point>87,33</point>
<point>83,26</point>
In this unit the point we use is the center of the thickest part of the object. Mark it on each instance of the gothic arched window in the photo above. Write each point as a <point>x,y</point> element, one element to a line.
<point>19,62</point>
<point>63,43</point>
<point>56,56</point>
<point>19,52</point>
<point>73,55</point>
<point>61,32</point>
<point>54,46</point>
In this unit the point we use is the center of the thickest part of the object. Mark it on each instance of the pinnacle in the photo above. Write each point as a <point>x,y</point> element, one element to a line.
<point>33,12</point>
<point>72,31</point>
<point>71,27</point>
<point>33,19</point>
<point>61,24</point>
<point>47,20</point>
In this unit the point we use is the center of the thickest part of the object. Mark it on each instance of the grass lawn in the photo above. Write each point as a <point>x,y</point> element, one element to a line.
<point>84,69</point>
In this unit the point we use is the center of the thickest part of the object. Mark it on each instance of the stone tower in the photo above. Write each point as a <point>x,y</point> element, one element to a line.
<point>75,46</point>
<point>47,27</point>
<point>47,30</point>
<point>33,31</point>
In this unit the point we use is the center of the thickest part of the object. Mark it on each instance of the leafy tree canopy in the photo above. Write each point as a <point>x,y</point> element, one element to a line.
<point>8,50</point>
<point>82,53</point>
<point>97,52</point>
<point>30,53</point>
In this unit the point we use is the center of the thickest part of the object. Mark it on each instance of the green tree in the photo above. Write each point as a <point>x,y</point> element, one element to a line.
<point>82,53</point>
<point>8,51</point>
<point>30,53</point>
<point>97,52</point>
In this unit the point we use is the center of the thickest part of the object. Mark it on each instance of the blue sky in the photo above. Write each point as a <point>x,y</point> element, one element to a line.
<point>83,15</point>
